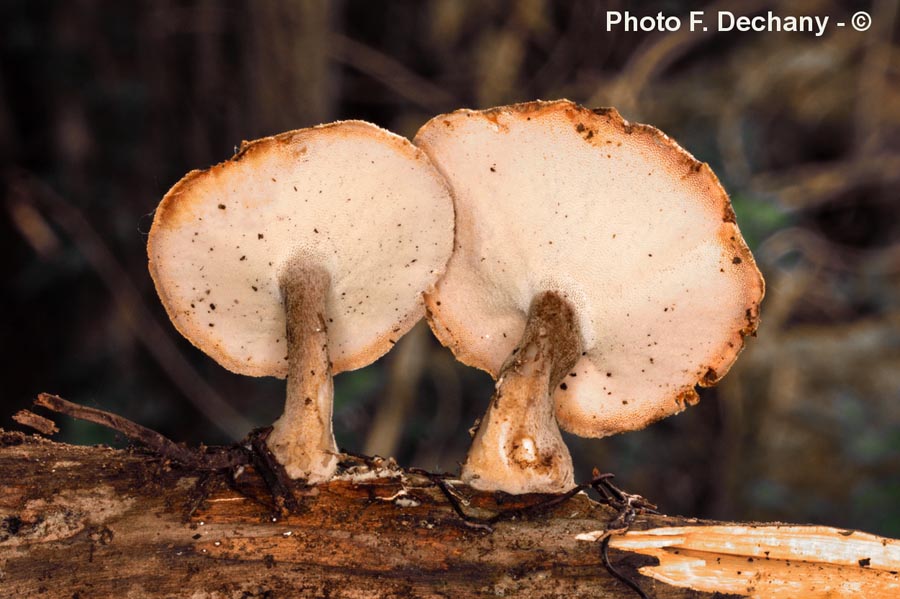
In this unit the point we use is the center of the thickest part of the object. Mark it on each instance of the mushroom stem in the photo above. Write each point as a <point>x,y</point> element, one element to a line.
<point>302,440</point>
<point>518,447</point>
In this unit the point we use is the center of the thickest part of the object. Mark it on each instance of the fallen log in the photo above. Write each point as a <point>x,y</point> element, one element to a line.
<point>99,522</point>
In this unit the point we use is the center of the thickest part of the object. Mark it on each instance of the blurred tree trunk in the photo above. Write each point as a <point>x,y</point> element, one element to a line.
<point>288,77</point>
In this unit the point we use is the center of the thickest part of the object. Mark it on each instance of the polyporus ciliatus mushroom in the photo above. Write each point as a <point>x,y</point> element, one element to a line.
<point>304,255</point>
<point>598,274</point>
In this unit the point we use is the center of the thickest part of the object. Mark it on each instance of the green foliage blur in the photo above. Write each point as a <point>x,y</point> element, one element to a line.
<point>104,105</point>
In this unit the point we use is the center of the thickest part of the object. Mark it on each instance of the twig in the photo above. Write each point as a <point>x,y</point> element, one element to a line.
<point>439,480</point>
<point>553,501</point>
<point>611,495</point>
<point>391,73</point>
<point>42,425</point>
<point>26,188</point>
<point>252,451</point>
<point>272,472</point>
<point>627,504</point>
<point>604,554</point>
<point>200,493</point>
<point>616,497</point>
<point>160,444</point>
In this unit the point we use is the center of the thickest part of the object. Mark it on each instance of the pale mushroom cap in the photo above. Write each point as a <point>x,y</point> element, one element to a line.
<point>620,220</point>
<point>352,199</point>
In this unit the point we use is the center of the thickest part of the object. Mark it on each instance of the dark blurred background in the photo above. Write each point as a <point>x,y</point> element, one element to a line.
<point>104,105</point>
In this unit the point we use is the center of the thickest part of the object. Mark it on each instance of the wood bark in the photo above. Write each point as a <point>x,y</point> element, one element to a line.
<point>79,522</point>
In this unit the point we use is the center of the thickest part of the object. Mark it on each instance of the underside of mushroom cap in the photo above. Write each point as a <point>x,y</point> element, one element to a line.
<point>618,219</point>
<point>350,199</point>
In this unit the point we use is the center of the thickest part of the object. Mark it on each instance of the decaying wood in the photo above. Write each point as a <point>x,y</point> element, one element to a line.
<point>36,421</point>
<point>97,522</point>
<point>772,562</point>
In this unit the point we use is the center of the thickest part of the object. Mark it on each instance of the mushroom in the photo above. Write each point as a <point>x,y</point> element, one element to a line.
<point>304,255</point>
<point>598,274</point>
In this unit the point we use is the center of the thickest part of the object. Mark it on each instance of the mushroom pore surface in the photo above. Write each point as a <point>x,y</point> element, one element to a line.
<point>358,203</point>
<point>622,223</point>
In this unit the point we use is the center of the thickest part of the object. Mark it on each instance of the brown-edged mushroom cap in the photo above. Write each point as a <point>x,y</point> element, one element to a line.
<point>637,236</point>
<point>347,210</point>
<point>362,203</point>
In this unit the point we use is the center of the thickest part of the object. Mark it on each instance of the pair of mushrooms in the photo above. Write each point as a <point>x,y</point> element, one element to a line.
<point>595,270</point>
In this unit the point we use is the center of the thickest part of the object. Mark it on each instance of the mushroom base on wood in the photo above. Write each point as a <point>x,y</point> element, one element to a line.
<point>518,447</point>
<point>618,219</point>
<point>302,439</point>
